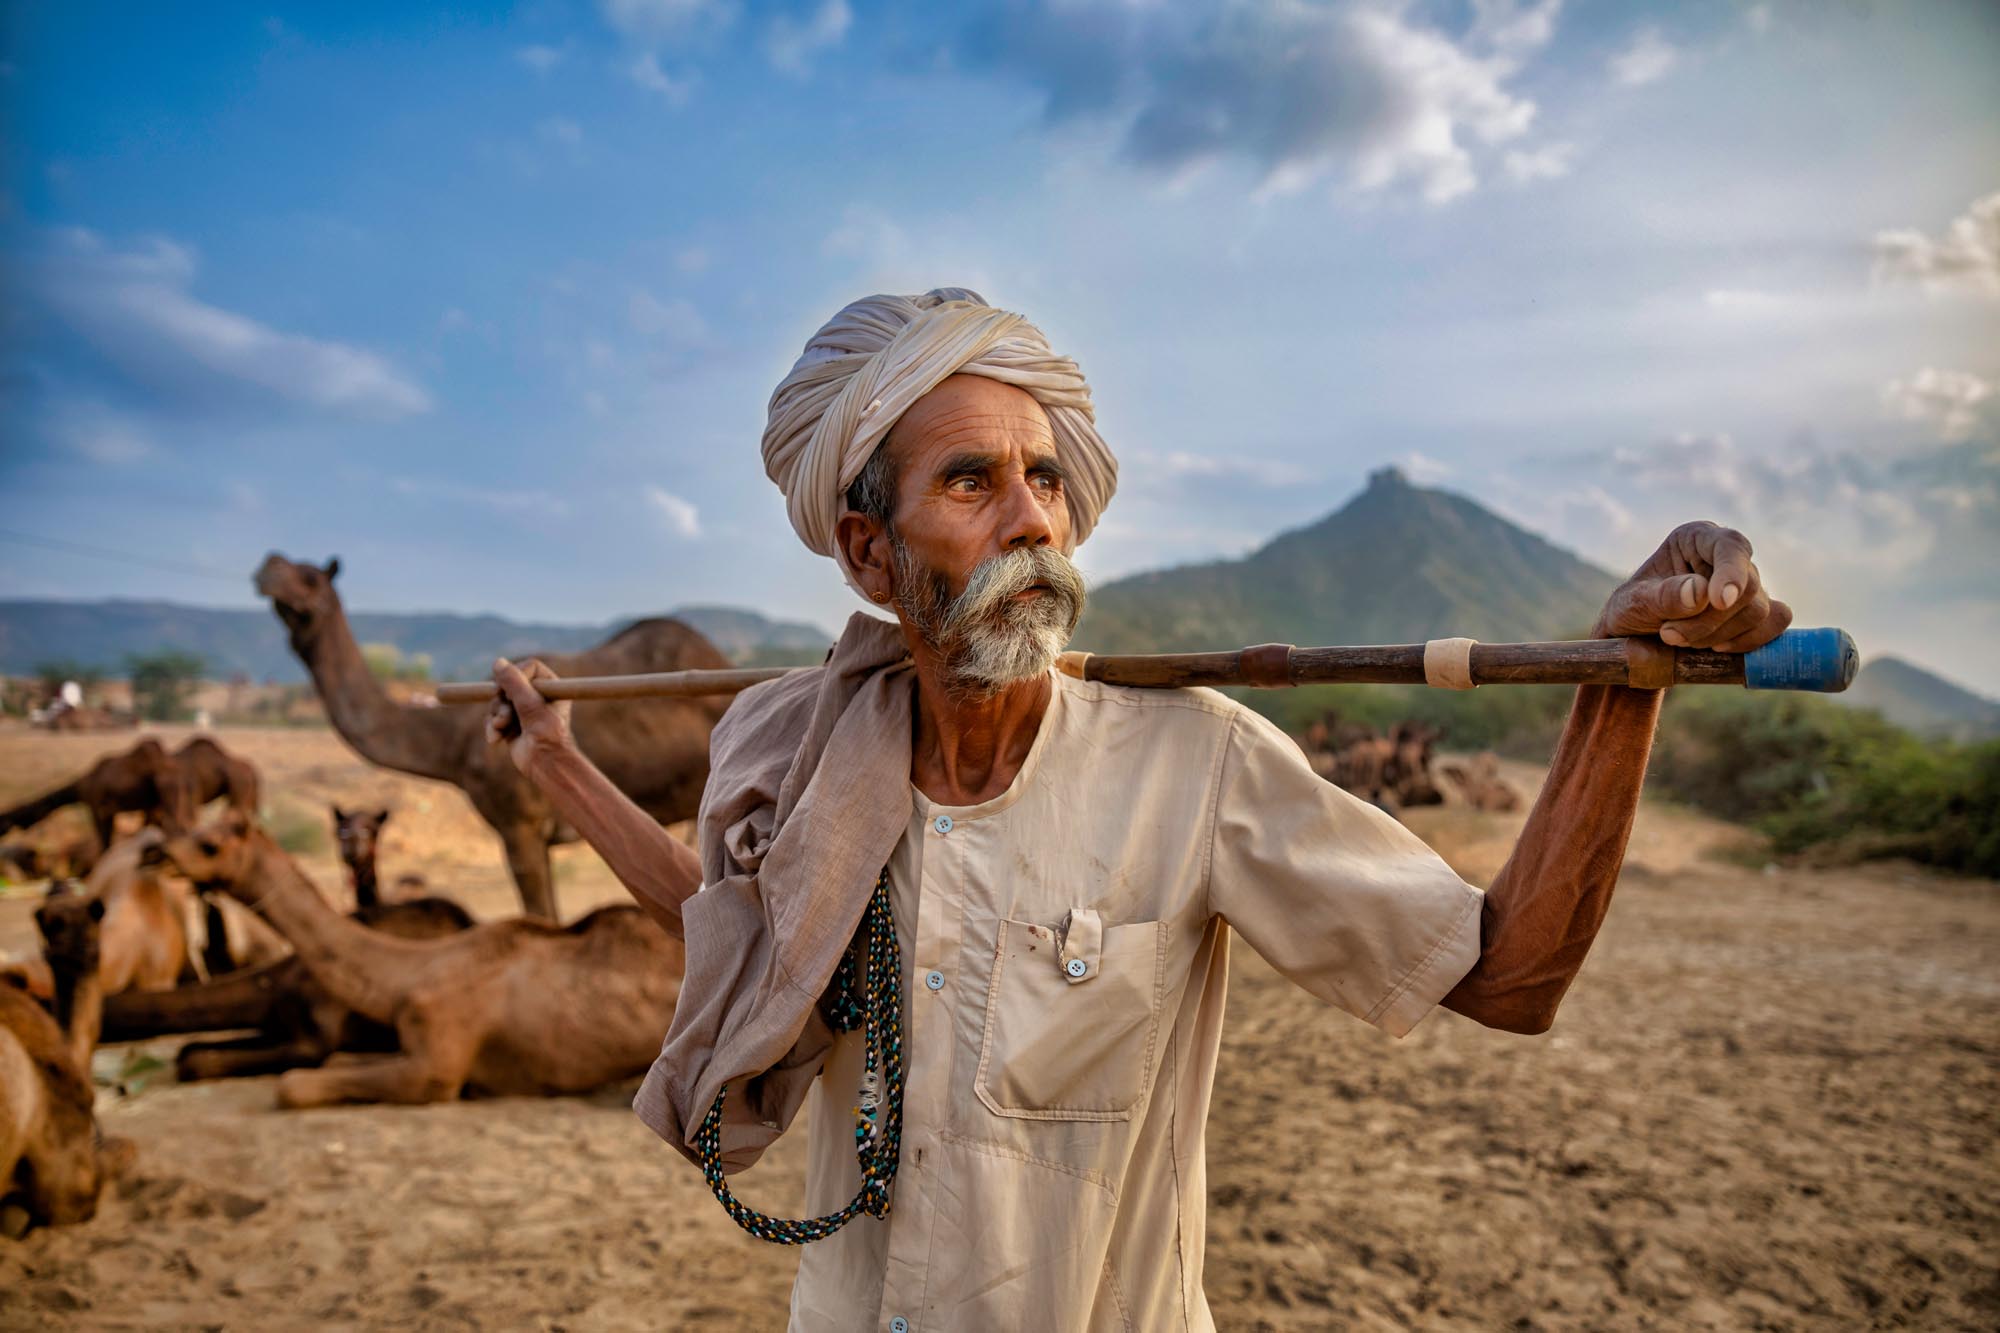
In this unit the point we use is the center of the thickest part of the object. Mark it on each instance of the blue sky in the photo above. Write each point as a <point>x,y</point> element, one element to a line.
<point>490,303</point>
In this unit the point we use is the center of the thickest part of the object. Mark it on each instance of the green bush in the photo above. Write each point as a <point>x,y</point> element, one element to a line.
<point>1807,772</point>
<point>162,683</point>
<point>1811,773</point>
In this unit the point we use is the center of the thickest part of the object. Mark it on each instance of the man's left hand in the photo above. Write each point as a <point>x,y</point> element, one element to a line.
<point>1699,590</point>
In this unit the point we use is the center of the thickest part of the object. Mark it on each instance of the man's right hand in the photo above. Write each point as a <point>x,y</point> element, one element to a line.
<point>533,728</point>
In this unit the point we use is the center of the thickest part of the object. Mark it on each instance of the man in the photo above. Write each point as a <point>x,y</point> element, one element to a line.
<point>1064,862</point>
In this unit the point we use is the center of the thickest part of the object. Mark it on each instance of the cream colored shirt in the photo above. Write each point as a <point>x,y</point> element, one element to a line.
<point>1065,957</point>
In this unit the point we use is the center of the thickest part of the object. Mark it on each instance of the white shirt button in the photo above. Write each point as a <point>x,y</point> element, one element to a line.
<point>899,1325</point>
<point>942,823</point>
<point>1076,967</point>
<point>934,979</point>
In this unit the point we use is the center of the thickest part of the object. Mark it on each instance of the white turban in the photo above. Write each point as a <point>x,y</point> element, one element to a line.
<point>875,358</point>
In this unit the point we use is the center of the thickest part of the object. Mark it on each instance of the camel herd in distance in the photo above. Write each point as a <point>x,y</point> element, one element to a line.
<point>196,922</point>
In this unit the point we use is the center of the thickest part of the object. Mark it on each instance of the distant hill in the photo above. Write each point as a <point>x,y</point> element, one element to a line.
<point>1925,703</point>
<point>102,634</point>
<point>1398,564</point>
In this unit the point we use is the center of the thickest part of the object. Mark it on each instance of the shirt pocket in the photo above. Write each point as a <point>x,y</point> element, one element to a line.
<point>1063,1048</point>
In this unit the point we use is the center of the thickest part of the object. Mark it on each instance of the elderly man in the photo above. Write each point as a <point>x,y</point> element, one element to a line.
<point>1009,1067</point>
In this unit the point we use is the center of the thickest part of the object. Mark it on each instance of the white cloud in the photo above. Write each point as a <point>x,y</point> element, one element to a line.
<point>134,306</point>
<point>646,72</point>
<point>1512,28</point>
<point>693,259</point>
<point>540,59</point>
<point>682,519</point>
<point>1948,399</point>
<point>1549,162</point>
<point>675,321</point>
<point>791,44</point>
<point>1295,91</point>
<point>1648,58</point>
<point>1758,18</point>
<point>1893,545</point>
<point>99,434</point>
<point>1967,255</point>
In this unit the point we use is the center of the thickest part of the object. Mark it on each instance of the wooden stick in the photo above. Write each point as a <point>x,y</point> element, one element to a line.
<point>1822,660</point>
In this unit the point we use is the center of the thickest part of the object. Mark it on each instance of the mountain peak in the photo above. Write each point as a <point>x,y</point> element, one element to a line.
<point>1398,563</point>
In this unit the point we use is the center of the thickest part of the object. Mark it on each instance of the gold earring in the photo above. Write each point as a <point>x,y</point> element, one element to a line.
<point>879,596</point>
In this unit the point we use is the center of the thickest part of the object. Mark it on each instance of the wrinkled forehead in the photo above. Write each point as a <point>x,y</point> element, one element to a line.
<point>970,413</point>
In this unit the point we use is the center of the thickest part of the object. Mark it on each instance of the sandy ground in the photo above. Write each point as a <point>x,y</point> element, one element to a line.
<point>1771,1102</point>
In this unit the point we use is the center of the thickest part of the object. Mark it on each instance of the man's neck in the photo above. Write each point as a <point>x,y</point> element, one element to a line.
<point>967,749</point>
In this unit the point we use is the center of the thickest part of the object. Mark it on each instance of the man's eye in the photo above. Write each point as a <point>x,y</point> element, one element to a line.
<point>964,484</point>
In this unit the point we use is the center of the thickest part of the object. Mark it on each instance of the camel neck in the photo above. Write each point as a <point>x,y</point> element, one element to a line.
<point>423,741</point>
<point>79,1012</point>
<point>365,886</point>
<point>355,964</point>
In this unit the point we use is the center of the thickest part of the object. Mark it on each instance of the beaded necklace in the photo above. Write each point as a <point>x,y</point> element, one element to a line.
<point>876,1004</point>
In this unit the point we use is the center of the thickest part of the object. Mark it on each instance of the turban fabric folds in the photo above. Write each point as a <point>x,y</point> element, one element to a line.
<point>875,358</point>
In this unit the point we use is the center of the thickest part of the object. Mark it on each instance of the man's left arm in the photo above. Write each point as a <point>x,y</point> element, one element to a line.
<point>1699,590</point>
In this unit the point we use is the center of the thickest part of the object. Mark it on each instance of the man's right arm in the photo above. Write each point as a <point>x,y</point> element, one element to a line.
<point>657,869</point>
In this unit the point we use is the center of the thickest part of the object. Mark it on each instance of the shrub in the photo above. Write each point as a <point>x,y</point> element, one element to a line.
<point>162,682</point>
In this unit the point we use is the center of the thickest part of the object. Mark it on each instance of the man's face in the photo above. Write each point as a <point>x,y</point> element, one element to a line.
<point>980,525</point>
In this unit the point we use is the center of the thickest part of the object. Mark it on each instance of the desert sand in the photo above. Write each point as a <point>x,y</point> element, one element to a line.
<point>1771,1101</point>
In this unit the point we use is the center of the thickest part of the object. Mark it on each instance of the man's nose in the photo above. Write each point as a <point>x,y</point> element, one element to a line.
<point>1025,517</point>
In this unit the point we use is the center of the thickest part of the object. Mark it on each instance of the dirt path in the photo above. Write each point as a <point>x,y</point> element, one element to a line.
<point>1772,1100</point>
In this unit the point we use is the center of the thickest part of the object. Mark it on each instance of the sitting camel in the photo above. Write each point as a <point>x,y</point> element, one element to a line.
<point>359,833</point>
<point>518,1006</point>
<point>144,778</point>
<point>144,940</point>
<point>296,1021</point>
<point>52,1163</point>
<point>655,750</point>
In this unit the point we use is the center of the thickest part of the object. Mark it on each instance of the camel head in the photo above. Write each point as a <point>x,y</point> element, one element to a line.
<point>70,921</point>
<point>301,594</point>
<point>358,832</point>
<point>221,854</point>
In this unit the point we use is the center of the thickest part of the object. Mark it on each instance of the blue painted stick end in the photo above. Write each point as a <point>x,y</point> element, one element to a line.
<point>1822,660</point>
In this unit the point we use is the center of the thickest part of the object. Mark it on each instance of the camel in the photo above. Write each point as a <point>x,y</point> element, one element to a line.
<point>144,778</point>
<point>1480,784</point>
<point>212,771</point>
<point>1391,772</point>
<point>510,1007</point>
<point>52,1163</point>
<point>655,750</point>
<point>143,936</point>
<point>359,833</point>
<point>296,1021</point>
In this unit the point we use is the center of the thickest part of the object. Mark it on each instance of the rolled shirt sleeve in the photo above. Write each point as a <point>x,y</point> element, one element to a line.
<point>1334,893</point>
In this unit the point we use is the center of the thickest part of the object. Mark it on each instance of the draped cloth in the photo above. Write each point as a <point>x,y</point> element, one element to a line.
<point>870,362</point>
<point>790,850</point>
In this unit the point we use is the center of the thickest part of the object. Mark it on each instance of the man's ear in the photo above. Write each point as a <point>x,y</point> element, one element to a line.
<point>866,545</point>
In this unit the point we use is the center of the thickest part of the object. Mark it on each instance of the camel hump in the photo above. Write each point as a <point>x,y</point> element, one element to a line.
<point>657,643</point>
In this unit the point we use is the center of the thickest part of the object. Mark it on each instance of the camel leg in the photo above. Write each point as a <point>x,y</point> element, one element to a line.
<point>215,953</point>
<point>528,858</point>
<point>406,1079</point>
<point>245,1056</point>
<point>432,1068</point>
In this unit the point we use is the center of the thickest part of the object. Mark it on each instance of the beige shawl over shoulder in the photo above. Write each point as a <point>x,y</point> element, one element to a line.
<point>808,793</point>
